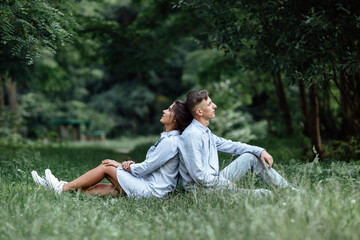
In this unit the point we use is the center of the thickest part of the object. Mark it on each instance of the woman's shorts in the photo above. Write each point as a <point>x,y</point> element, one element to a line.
<point>133,186</point>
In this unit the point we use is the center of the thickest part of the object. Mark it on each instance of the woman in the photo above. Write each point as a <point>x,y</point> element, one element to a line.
<point>155,177</point>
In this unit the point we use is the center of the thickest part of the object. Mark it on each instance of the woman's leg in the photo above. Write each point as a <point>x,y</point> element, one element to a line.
<point>93,177</point>
<point>102,189</point>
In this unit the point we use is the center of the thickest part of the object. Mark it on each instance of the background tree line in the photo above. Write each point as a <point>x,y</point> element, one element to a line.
<point>280,67</point>
<point>311,45</point>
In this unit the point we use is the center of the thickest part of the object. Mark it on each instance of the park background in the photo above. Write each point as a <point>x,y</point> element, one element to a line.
<point>284,75</point>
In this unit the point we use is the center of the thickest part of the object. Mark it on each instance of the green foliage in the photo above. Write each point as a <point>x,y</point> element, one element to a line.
<point>38,112</point>
<point>348,151</point>
<point>283,35</point>
<point>29,27</point>
<point>312,42</point>
<point>238,126</point>
<point>10,127</point>
<point>284,150</point>
<point>130,59</point>
<point>138,45</point>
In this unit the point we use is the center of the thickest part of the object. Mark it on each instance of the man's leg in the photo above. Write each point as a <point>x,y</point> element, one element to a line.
<point>247,161</point>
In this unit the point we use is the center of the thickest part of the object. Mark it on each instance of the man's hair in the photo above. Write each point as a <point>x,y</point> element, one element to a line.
<point>182,115</point>
<point>194,98</point>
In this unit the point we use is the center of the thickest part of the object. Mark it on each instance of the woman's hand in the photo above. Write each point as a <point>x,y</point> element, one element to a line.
<point>126,165</point>
<point>109,162</point>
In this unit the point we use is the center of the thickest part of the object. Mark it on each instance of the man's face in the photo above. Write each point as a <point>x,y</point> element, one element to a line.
<point>207,108</point>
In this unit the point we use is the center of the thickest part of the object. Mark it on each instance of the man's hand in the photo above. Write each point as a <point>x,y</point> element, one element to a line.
<point>109,162</point>
<point>126,165</point>
<point>266,157</point>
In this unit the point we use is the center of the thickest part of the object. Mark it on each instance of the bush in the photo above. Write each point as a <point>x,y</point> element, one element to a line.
<point>10,127</point>
<point>238,126</point>
<point>38,112</point>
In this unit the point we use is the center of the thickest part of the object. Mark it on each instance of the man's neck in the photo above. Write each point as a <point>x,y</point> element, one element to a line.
<point>204,122</point>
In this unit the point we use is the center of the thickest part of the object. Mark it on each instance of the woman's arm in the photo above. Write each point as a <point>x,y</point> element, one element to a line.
<point>163,152</point>
<point>125,165</point>
<point>109,162</point>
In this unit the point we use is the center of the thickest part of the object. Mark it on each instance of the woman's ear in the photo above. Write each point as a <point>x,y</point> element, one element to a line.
<point>175,123</point>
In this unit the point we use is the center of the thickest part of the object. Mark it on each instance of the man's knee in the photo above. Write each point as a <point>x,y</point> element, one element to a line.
<point>249,157</point>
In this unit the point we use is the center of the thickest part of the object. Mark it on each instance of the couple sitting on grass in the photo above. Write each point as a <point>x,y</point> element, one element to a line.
<point>186,150</point>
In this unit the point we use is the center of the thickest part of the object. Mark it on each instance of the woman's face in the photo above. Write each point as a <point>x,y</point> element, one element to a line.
<point>168,116</point>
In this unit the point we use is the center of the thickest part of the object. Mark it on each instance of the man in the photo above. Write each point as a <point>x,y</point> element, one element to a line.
<point>199,163</point>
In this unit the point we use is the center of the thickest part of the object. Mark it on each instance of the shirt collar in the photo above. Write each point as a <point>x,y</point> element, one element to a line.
<point>170,133</point>
<point>200,126</point>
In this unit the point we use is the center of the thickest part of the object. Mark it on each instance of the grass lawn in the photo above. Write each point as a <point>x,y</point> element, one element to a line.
<point>327,207</point>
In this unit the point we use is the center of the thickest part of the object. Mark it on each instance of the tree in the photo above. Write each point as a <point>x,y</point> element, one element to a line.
<point>141,51</point>
<point>315,43</point>
<point>27,29</point>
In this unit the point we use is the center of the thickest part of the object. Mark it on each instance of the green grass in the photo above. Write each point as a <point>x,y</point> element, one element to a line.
<point>327,207</point>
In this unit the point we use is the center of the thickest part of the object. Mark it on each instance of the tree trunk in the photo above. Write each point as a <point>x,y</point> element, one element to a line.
<point>262,104</point>
<point>344,107</point>
<point>283,102</point>
<point>2,99</point>
<point>326,116</point>
<point>12,93</point>
<point>353,99</point>
<point>349,87</point>
<point>304,108</point>
<point>357,102</point>
<point>315,119</point>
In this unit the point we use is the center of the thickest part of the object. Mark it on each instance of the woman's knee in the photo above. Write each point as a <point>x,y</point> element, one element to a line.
<point>104,168</point>
<point>109,170</point>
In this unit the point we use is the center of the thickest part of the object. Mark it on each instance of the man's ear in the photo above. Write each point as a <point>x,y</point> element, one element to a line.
<point>198,112</point>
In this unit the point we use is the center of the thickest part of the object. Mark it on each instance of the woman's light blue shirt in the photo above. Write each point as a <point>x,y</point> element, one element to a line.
<point>161,167</point>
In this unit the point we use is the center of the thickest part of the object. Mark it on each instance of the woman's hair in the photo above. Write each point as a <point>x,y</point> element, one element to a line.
<point>194,98</point>
<point>182,115</point>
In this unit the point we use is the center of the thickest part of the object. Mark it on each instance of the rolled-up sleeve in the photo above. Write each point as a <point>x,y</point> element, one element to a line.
<point>236,148</point>
<point>163,152</point>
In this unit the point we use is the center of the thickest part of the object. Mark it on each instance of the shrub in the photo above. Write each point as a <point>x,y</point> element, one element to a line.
<point>238,126</point>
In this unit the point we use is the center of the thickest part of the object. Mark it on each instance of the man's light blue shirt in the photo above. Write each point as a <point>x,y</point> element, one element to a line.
<point>161,167</point>
<point>199,161</point>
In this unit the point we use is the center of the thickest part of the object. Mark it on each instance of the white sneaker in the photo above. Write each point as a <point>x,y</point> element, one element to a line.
<point>53,182</point>
<point>39,180</point>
